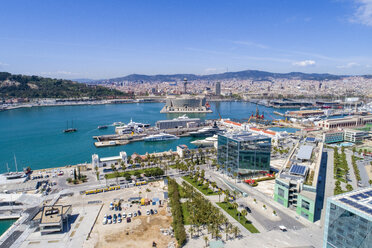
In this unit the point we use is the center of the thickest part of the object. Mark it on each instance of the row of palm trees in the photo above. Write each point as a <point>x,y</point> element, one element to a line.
<point>206,217</point>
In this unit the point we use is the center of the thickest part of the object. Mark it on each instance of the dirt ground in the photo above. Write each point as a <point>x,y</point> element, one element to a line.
<point>141,232</point>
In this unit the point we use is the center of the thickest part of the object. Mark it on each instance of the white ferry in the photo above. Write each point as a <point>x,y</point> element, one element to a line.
<point>160,137</point>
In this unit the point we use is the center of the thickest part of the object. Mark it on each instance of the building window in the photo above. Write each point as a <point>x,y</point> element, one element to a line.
<point>305,205</point>
<point>280,192</point>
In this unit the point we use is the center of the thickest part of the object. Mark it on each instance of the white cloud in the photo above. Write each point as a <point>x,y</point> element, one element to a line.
<point>304,63</point>
<point>3,64</point>
<point>348,65</point>
<point>214,70</point>
<point>60,73</point>
<point>363,13</point>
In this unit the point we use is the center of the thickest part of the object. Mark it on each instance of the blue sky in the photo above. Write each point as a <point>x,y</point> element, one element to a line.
<point>105,39</point>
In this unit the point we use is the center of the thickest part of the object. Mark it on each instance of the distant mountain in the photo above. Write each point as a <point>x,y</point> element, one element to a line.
<point>240,75</point>
<point>40,87</point>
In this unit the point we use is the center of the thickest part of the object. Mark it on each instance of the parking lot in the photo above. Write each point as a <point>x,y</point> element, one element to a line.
<point>124,222</point>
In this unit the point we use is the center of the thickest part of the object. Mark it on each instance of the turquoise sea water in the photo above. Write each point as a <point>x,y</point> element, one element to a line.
<point>34,135</point>
<point>5,224</point>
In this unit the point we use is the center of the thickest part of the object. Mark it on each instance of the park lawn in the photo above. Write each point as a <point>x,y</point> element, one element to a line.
<point>186,214</point>
<point>199,187</point>
<point>132,172</point>
<point>233,213</point>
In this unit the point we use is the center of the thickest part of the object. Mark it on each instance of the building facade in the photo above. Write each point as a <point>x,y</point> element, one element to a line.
<point>108,161</point>
<point>244,153</point>
<point>355,136</point>
<point>218,88</point>
<point>347,122</point>
<point>333,137</point>
<point>349,220</point>
<point>182,121</point>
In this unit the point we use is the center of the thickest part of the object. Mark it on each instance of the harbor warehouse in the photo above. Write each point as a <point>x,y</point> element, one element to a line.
<point>182,121</point>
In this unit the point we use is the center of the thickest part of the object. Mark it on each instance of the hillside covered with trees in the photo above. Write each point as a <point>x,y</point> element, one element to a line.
<point>22,86</point>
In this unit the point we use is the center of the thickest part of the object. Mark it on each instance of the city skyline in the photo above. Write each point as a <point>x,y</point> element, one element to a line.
<point>107,40</point>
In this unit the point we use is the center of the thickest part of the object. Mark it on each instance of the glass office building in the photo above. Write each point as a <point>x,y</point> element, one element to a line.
<point>245,153</point>
<point>349,220</point>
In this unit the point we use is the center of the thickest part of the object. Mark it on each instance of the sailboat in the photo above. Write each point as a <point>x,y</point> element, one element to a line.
<point>70,130</point>
<point>14,175</point>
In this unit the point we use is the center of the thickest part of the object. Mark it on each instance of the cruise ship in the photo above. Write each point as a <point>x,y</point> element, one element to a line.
<point>160,137</point>
<point>206,131</point>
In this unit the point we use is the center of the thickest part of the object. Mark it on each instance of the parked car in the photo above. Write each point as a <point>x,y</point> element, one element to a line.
<point>124,215</point>
<point>139,213</point>
<point>248,209</point>
<point>148,212</point>
<point>128,220</point>
<point>151,211</point>
<point>130,215</point>
<point>155,211</point>
<point>134,214</point>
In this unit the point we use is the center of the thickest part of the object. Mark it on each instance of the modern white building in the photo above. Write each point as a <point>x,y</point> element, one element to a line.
<point>108,161</point>
<point>355,136</point>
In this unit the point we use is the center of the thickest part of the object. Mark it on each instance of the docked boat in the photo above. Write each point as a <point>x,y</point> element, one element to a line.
<point>208,142</point>
<point>160,137</point>
<point>17,174</point>
<point>102,127</point>
<point>206,131</point>
<point>118,123</point>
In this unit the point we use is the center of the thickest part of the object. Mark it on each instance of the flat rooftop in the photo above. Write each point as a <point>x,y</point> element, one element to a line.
<point>52,214</point>
<point>110,158</point>
<point>179,120</point>
<point>305,152</point>
<point>244,136</point>
<point>359,200</point>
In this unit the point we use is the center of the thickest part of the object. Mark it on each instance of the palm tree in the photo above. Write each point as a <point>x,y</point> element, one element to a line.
<point>113,168</point>
<point>219,195</point>
<point>244,212</point>
<point>97,174</point>
<point>117,175</point>
<point>206,241</point>
<point>122,164</point>
<point>227,230</point>
<point>191,231</point>
<point>106,177</point>
<point>235,176</point>
<point>236,231</point>
<point>214,185</point>
<point>229,170</point>
<point>235,206</point>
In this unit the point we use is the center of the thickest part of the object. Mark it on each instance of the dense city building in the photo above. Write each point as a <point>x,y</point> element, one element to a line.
<point>348,220</point>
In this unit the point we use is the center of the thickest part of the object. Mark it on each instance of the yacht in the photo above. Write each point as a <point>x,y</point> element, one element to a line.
<point>160,137</point>
<point>102,127</point>
<point>208,142</point>
<point>118,123</point>
<point>71,129</point>
<point>206,131</point>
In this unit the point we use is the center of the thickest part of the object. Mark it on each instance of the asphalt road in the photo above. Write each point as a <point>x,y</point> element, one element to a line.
<point>287,220</point>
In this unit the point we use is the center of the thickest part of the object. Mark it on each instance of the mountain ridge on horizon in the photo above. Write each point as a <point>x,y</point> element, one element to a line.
<point>245,74</point>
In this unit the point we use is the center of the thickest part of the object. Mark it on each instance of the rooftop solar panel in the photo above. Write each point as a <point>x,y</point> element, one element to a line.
<point>298,169</point>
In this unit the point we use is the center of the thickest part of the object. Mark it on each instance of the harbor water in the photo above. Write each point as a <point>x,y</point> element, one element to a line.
<point>34,135</point>
<point>5,224</point>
